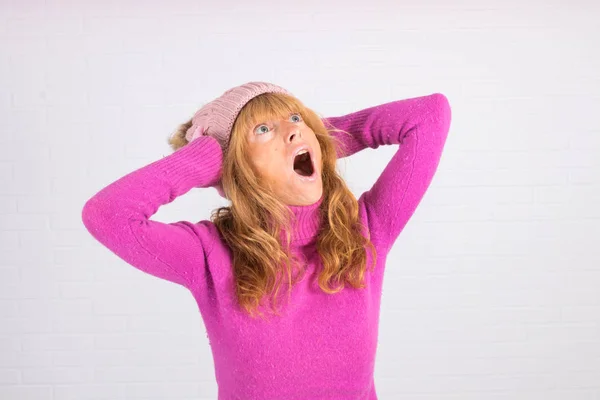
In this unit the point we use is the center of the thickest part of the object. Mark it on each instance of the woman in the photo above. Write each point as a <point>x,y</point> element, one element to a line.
<point>292,222</point>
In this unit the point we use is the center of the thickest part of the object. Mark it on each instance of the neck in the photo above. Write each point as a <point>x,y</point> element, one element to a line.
<point>306,222</point>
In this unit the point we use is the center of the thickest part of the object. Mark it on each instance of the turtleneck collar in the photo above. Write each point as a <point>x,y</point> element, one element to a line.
<point>305,226</point>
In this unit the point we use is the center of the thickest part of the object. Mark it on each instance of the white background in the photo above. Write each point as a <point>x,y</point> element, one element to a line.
<point>492,290</point>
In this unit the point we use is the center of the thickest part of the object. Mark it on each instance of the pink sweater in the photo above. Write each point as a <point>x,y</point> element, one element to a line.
<point>324,346</point>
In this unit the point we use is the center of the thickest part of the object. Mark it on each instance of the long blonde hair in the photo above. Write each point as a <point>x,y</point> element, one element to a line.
<point>252,225</point>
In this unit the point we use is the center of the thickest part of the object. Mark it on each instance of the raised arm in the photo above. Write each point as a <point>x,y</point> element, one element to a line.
<point>118,216</point>
<point>420,126</point>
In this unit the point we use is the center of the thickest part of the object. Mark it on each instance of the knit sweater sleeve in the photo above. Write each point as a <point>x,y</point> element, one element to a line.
<point>118,216</point>
<point>419,126</point>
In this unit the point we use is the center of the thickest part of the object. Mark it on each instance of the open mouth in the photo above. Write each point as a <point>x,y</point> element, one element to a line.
<point>303,164</point>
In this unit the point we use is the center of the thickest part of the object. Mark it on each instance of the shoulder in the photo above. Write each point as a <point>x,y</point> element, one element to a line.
<point>216,248</point>
<point>206,231</point>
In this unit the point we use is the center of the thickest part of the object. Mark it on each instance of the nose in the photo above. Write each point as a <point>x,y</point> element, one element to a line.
<point>292,132</point>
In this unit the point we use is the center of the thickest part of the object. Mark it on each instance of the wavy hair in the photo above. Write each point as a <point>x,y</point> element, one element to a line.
<point>253,224</point>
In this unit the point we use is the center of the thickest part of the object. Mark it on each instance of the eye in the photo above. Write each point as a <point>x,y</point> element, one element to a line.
<point>261,129</point>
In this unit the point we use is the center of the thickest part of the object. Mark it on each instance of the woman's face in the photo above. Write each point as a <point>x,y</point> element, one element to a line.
<point>273,148</point>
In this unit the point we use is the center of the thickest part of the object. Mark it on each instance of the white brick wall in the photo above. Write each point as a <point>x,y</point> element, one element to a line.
<point>490,293</point>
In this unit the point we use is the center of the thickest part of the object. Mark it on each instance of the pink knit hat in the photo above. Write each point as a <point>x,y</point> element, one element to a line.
<point>217,117</point>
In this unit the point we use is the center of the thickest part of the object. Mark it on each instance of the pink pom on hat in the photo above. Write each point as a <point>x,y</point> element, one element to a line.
<point>217,117</point>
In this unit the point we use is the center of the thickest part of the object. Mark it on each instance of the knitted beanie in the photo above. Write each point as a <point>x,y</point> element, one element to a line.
<point>217,117</point>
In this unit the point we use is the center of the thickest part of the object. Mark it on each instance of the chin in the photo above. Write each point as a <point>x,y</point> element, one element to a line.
<point>311,198</point>
<point>300,192</point>
<point>302,199</point>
